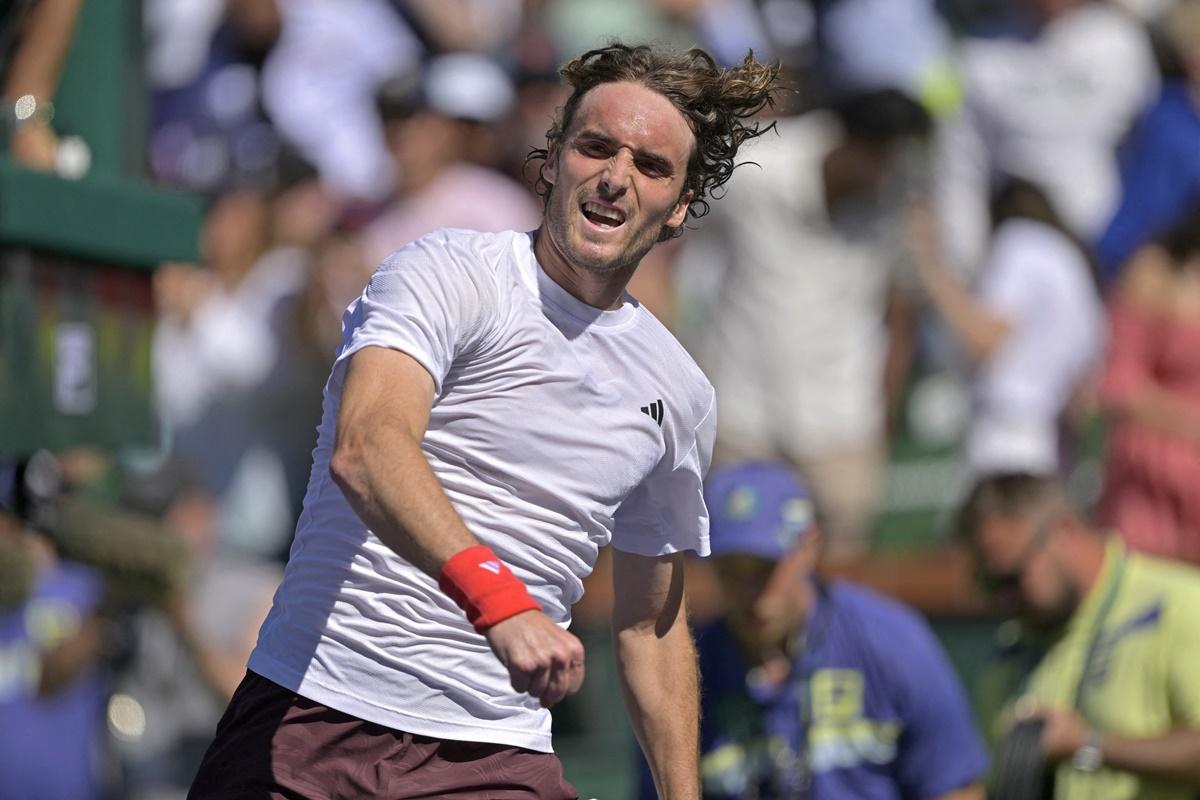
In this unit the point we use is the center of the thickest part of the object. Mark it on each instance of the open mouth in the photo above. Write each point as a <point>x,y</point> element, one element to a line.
<point>602,216</point>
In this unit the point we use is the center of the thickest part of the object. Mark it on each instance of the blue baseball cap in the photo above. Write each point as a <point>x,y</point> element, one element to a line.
<point>759,508</point>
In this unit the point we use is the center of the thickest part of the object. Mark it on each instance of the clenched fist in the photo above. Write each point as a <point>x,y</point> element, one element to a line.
<point>541,658</point>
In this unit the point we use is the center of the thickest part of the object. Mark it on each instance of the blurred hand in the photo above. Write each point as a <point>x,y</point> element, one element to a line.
<point>541,657</point>
<point>34,146</point>
<point>923,237</point>
<point>179,288</point>
<point>1063,734</point>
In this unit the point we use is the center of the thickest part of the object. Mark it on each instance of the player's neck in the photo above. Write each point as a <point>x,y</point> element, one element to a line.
<point>598,289</point>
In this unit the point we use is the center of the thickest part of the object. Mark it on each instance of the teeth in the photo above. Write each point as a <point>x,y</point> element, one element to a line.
<point>607,214</point>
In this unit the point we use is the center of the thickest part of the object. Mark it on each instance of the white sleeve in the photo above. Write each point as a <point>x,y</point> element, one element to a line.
<point>666,512</point>
<point>1010,283</point>
<point>428,300</point>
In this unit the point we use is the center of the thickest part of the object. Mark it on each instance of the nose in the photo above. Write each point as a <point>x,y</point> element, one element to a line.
<point>614,180</point>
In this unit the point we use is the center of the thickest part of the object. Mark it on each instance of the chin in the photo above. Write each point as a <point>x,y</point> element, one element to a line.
<point>597,257</point>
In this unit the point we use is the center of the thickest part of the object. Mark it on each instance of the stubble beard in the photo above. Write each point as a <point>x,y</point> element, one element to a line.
<point>558,225</point>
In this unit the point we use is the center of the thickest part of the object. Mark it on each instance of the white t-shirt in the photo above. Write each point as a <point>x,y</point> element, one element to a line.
<point>1038,281</point>
<point>556,428</point>
<point>794,339</point>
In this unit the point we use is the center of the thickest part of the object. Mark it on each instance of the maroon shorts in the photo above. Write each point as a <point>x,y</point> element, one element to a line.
<point>273,743</point>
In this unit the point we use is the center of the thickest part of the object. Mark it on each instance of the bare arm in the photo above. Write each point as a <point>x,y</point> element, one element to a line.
<point>35,70</point>
<point>901,320</point>
<point>221,667</point>
<point>978,331</point>
<point>1173,756</point>
<point>381,469</point>
<point>656,663</point>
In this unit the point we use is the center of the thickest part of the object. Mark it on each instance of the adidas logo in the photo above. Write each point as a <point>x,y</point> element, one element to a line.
<point>491,566</point>
<point>654,411</point>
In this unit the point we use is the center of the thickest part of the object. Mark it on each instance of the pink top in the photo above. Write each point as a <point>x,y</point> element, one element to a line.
<point>1152,477</point>
<point>462,196</point>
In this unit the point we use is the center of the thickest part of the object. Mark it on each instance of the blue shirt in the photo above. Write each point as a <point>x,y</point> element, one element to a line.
<point>49,747</point>
<point>872,711</point>
<point>1160,178</point>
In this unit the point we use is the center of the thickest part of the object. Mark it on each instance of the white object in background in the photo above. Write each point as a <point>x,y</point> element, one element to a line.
<point>73,158</point>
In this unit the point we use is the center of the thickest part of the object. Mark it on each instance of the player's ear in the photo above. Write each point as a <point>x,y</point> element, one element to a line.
<point>550,165</point>
<point>679,213</point>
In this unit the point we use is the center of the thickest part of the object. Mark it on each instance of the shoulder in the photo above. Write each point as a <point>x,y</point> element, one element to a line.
<point>466,248</point>
<point>1177,584</point>
<point>1035,250</point>
<point>868,605</point>
<point>887,629</point>
<point>1097,25</point>
<point>456,255</point>
<point>673,362</point>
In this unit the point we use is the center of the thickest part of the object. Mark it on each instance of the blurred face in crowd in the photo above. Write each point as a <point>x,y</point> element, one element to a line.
<point>423,144</point>
<point>767,602</point>
<point>1022,561</point>
<point>617,178</point>
<point>860,169</point>
<point>235,234</point>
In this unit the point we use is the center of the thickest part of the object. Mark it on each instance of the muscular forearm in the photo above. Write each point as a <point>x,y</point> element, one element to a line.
<point>380,467</point>
<point>1174,756</point>
<point>659,684</point>
<point>390,485</point>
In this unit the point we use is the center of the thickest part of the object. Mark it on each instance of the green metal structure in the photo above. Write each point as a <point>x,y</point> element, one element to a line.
<point>77,257</point>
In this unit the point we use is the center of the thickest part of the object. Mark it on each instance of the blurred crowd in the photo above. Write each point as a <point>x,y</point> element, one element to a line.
<point>1005,195</point>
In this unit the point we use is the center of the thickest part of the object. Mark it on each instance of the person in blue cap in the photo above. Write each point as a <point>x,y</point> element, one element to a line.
<point>811,689</point>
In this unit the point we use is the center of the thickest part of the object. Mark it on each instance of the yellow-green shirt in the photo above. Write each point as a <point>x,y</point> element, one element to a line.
<point>1145,675</point>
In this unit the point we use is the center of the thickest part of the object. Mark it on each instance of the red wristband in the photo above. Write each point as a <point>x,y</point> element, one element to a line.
<point>484,587</point>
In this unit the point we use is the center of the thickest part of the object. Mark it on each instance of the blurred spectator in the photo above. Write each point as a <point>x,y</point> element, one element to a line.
<point>808,253</point>
<point>466,25</point>
<point>432,122</point>
<point>870,44</point>
<point>1160,165</point>
<point>1049,107</point>
<point>53,686</point>
<point>805,692</point>
<point>1033,332</point>
<point>235,386</point>
<point>43,30</point>
<point>1151,387</point>
<point>1117,688</point>
<point>189,655</point>
<point>207,127</point>
<point>320,81</point>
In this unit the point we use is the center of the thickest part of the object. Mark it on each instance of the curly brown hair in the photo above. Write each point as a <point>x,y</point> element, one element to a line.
<point>717,103</point>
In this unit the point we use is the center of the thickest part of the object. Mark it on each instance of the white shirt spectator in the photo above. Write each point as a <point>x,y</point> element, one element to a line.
<point>319,85</point>
<point>1052,111</point>
<point>1039,282</point>
<point>795,342</point>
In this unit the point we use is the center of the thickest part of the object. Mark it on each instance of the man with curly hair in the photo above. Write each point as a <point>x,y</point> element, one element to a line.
<point>499,410</point>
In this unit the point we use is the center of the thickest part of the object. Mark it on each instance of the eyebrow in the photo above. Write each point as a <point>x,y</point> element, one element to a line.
<point>658,159</point>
